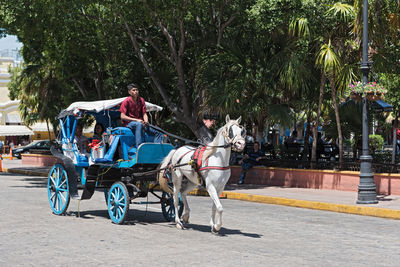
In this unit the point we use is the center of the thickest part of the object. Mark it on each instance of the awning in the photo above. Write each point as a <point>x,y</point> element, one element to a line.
<point>40,127</point>
<point>14,130</point>
<point>13,118</point>
<point>381,106</point>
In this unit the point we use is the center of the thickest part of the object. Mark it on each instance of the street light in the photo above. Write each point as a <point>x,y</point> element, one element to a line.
<point>366,188</point>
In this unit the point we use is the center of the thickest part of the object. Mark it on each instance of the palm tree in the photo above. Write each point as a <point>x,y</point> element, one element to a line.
<point>333,58</point>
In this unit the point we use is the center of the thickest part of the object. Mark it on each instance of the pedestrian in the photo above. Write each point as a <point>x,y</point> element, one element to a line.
<point>133,116</point>
<point>252,158</point>
<point>293,138</point>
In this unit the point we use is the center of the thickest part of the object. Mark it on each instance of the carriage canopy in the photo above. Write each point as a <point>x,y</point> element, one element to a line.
<point>100,105</point>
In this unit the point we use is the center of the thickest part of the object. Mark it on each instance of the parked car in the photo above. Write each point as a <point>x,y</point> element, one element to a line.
<point>38,146</point>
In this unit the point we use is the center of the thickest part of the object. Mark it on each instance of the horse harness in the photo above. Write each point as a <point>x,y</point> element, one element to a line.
<point>196,162</point>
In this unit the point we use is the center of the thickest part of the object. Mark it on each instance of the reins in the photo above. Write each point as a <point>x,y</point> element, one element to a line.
<point>187,141</point>
<point>230,141</point>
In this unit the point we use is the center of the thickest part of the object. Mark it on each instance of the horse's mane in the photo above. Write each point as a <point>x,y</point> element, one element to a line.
<point>214,142</point>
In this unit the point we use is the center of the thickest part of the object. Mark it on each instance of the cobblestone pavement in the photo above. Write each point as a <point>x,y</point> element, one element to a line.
<point>253,234</point>
<point>322,199</point>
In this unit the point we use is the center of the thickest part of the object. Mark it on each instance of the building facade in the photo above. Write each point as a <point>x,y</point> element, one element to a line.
<point>12,130</point>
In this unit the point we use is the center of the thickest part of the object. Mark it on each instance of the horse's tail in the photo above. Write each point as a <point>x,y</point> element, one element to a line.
<point>162,180</point>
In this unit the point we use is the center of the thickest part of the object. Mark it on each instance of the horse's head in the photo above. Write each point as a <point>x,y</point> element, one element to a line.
<point>235,133</point>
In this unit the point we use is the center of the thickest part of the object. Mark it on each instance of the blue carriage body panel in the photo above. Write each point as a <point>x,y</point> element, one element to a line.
<point>152,153</point>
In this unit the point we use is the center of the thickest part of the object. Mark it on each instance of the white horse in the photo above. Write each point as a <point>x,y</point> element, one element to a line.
<point>213,173</point>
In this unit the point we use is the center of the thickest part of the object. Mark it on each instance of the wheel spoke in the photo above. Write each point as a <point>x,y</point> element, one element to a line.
<point>117,192</point>
<point>63,182</point>
<point>116,212</point>
<point>52,180</point>
<point>54,200</point>
<point>60,202</point>
<point>121,209</point>
<point>58,176</point>
<point>62,195</point>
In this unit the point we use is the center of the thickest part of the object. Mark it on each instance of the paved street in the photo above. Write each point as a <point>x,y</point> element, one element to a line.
<point>253,234</point>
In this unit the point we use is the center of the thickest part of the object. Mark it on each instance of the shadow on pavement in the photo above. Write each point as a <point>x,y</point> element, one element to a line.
<point>33,182</point>
<point>232,187</point>
<point>223,231</point>
<point>133,217</point>
<point>8,174</point>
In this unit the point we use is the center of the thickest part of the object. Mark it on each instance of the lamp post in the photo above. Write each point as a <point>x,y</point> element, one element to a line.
<point>366,188</point>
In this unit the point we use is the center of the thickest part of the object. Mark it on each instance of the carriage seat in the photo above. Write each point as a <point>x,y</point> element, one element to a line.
<point>123,141</point>
<point>82,161</point>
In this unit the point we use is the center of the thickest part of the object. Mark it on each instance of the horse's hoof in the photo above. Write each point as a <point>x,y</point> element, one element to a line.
<point>185,219</point>
<point>214,231</point>
<point>179,225</point>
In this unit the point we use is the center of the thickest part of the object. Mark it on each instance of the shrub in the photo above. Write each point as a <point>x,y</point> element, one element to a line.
<point>375,142</point>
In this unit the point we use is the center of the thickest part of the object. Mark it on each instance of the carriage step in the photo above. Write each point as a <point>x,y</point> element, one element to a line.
<point>103,160</point>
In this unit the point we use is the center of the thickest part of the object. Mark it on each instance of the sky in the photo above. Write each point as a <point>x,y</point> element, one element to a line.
<point>10,42</point>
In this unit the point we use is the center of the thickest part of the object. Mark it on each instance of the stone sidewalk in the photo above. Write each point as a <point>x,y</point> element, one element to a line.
<point>329,200</point>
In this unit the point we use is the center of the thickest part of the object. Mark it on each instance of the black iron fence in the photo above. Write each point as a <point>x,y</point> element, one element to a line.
<point>328,161</point>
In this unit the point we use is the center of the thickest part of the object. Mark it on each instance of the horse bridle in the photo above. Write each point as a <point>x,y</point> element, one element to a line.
<point>228,134</point>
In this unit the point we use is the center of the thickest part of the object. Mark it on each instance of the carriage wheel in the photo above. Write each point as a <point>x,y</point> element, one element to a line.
<point>168,208</point>
<point>57,189</point>
<point>118,202</point>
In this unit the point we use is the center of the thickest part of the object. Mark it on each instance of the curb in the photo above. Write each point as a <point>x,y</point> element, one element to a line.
<point>307,204</point>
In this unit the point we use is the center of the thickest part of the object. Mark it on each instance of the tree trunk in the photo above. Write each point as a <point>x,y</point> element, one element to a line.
<point>306,137</point>
<point>98,83</point>
<point>80,87</point>
<point>395,126</point>
<point>339,127</point>
<point>315,130</point>
<point>184,114</point>
<point>48,129</point>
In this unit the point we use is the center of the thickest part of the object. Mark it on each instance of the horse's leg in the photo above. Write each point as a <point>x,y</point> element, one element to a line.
<point>213,210</point>
<point>186,210</point>
<point>177,180</point>
<point>218,206</point>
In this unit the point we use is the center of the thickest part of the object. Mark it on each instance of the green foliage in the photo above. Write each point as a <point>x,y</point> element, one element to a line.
<point>376,142</point>
<point>252,58</point>
<point>384,157</point>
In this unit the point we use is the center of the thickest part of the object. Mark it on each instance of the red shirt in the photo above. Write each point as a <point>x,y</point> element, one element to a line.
<point>132,109</point>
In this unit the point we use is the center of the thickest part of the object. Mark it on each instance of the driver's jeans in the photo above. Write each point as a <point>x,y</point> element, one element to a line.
<point>138,129</point>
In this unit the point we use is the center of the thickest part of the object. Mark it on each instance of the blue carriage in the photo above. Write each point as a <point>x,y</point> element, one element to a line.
<point>115,164</point>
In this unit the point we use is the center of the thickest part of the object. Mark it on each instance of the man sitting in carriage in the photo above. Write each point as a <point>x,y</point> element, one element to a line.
<point>133,116</point>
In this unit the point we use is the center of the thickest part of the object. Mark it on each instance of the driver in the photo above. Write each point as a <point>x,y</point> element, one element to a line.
<point>133,116</point>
